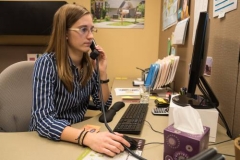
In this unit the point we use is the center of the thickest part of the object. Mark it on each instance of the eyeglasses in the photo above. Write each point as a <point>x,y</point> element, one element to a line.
<point>83,30</point>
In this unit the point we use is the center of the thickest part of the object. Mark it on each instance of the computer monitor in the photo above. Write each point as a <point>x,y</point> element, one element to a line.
<point>196,78</point>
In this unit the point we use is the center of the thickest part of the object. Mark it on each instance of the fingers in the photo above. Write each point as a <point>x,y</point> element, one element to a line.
<point>99,48</point>
<point>118,137</point>
<point>101,51</point>
<point>108,152</point>
<point>108,143</point>
<point>117,146</point>
<point>119,134</point>
<point>111,147</point>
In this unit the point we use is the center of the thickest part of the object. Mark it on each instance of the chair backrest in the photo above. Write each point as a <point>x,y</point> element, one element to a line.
<point>16,96</point>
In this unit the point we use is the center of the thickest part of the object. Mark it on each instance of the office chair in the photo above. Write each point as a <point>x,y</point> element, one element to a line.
<point>16,97</point>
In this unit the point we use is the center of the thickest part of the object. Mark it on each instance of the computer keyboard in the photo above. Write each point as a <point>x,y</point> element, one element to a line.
<point>132,120</point>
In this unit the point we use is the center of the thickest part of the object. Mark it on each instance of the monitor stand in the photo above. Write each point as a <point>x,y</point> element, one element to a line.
<point>197,102</point>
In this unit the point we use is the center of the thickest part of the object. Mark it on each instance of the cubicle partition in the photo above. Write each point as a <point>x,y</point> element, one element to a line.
<point>223,47</point>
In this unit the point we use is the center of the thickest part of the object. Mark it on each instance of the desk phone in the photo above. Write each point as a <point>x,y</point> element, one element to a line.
<point>160,111</point>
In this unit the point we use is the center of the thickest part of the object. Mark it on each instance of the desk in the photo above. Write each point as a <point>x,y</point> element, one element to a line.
<point>29,146</point>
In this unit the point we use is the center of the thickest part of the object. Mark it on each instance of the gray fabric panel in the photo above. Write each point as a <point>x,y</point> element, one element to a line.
<point>223,47</point>
<point>16,96</point>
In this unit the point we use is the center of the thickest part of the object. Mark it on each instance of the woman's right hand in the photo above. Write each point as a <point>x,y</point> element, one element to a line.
<point>106,142</point>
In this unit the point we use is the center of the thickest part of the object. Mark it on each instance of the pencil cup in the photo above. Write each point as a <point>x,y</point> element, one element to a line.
<point>144,93</point>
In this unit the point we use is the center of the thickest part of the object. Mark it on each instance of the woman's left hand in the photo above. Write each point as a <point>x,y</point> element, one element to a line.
<point>102,59</point>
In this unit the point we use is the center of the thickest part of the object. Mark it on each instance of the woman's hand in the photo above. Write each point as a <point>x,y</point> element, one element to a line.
<point>106,143</point>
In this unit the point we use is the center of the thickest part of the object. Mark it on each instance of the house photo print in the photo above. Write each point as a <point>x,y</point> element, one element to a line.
<point>118,13</point>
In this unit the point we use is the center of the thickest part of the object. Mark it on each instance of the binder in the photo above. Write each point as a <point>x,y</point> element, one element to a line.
<point>151,77</point>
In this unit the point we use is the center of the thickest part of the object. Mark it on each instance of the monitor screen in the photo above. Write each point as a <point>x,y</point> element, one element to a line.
<point>27,17</point>
<point>199,54</point>
<point>208,99</point>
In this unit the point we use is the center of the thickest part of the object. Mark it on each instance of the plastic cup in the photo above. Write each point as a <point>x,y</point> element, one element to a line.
<point>144,93</point>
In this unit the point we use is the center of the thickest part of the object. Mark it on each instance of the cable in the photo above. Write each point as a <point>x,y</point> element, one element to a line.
<point>154,131</point>
<point>153,143</point>
<point>2,130</point>
<point>205,93</point>
<point>152,128</point>
<point>207,96</point>
<point>213,144</point>
<point>104,114</point>
<point>101,98</point>
<point>225,123</point>
<point>227,155</point>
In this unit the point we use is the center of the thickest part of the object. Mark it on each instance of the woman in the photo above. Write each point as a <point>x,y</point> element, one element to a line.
<point>65,77</point>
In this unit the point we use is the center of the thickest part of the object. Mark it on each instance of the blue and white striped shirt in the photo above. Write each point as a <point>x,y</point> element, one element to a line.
<point>54,107</point>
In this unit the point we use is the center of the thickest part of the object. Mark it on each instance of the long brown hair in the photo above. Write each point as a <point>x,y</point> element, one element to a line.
<point>64,18</point>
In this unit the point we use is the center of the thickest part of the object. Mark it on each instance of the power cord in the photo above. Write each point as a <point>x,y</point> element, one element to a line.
<point>206,95</point>
<point>152,128</point>
<point>153,143</point>
<point>2,130</point>
<point>229,155</point>
<point>154,131</point>
<point>213,144</point>
<point>104,114</point>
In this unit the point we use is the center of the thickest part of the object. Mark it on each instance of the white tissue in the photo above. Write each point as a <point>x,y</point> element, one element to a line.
<point>188,120</point>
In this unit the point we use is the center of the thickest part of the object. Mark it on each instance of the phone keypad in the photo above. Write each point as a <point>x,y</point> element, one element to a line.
<point>163,111</point>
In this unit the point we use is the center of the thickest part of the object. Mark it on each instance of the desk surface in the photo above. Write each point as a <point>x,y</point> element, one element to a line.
<point>29,145</point>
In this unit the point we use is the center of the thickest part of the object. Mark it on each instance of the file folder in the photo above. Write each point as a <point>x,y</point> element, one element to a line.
<point>152,74</point>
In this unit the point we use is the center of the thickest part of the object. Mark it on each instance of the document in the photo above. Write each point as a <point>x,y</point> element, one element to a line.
<point>200,6</point>
<point>127,91</point>
<point>223,6</point>
<point>180,31</point>
<point>164,66</point>
<point>174,69</point>
<point>166,72</point>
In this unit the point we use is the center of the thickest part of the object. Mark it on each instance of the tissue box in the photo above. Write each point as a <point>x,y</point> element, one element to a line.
<point>209,118</point>
<point>182,145</point>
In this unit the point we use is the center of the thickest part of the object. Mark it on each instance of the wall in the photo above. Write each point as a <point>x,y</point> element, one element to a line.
<point>126,48</point>
<point>224,40</point>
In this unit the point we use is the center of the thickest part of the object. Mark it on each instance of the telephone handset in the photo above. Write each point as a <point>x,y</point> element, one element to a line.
<point>94,54</point>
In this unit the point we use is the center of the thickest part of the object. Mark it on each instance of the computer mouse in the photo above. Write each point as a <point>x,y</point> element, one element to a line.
<point>132,141</point>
